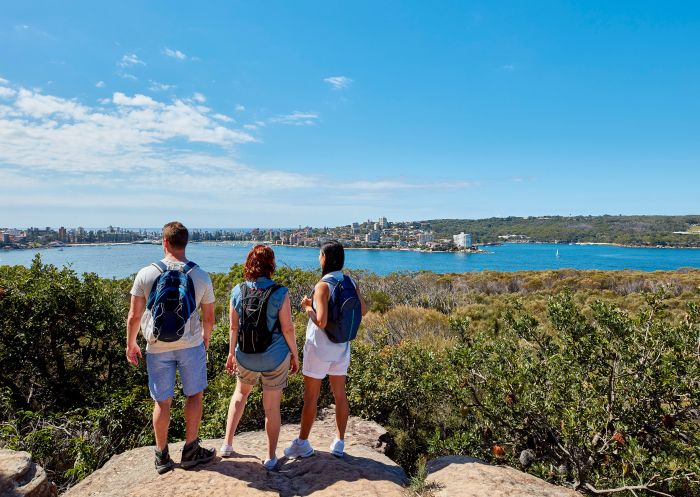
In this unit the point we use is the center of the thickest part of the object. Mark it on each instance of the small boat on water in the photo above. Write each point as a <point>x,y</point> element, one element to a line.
<point>557,255</point>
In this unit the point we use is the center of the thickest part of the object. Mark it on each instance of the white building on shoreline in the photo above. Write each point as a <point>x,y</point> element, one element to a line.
<point>463,240</point>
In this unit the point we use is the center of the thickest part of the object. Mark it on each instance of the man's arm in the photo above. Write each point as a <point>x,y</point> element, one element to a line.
<point>133,323</point>
<point>207,322</point>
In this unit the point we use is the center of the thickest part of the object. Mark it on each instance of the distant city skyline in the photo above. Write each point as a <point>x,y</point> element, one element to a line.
<point>324,113</point>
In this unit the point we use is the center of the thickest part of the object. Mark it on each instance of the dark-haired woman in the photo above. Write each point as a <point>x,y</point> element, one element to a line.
<point>322,356</point>
<point>274,364</point>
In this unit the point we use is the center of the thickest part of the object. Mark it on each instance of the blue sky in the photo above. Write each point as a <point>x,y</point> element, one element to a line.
<point>283,113</point>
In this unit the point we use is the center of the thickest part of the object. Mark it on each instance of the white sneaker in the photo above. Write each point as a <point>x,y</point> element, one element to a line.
<point>226,450</point>
<point>299,448</point>
<point>270,464</point>
<point>337,447</point>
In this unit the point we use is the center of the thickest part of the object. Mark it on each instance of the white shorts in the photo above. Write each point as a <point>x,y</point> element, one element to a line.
<point>315,366</point>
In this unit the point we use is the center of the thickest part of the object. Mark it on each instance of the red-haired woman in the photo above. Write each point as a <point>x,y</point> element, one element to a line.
<point>262,345</point>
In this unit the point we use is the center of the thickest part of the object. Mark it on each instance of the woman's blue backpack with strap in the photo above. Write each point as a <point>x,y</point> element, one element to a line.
<point>171,301</point>
<point>344,310</point>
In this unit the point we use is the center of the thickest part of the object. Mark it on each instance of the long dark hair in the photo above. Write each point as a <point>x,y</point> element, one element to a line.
<point>334,255</point>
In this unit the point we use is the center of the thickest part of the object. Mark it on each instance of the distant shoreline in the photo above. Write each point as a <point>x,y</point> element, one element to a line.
<point>388,248</point>
<point>480,251</point>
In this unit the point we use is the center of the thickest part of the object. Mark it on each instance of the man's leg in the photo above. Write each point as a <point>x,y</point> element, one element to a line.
<point>312,389</point>
<point>161,384</point>
<point>192,363</point>
<point>161,422</point>
<point>193,416</point>
<point>342,409</point>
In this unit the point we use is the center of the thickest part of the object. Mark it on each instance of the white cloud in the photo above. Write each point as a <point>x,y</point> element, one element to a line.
<point>338,82</point>
<point>176,54</point>
<point>7,92</point>
<point>36,105</point>
<point>126,75</point>
<point>100,84</point>
<point>296,118</point>
<point>400,184</point>
<point>198,97</point>
<point>222,117</point>
<point>155,86</point>
<point>240,108</point>
<point>3,81</point>
<point>137,100</point>
<point>508,67</point>
<point>52,134</point>
<point>129,60</point>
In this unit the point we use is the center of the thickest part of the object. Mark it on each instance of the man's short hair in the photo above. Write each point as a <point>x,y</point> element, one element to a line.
<point>176,234</point>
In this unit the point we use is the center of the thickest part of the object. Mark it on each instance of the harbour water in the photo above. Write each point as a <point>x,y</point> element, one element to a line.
<point>124,260</point>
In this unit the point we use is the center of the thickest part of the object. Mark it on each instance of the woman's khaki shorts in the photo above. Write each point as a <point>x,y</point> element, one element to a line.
<point>271,380</point>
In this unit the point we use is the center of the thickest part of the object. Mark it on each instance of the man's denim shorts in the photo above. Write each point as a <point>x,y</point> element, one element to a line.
<point>192,364</point>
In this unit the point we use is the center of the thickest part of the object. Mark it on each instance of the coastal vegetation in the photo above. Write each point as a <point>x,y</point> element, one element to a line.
<point>642,231</point>
<point>589,379</point>
<point>646,231</point>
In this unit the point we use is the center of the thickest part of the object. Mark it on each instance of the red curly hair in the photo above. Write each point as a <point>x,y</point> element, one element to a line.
<point>260,262</point>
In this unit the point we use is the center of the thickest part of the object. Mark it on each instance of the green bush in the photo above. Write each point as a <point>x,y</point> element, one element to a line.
<point>580,377</point>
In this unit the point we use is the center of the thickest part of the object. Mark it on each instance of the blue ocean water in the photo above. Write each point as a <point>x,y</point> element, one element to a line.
<point>124,260</point>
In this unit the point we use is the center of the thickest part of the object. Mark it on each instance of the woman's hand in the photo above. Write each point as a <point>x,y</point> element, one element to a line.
<point>305,302</point>
<point>294,364</point>
<point>231,364</point>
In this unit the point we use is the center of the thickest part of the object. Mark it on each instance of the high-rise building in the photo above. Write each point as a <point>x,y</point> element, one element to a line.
<point>373,236</point>
<point>425,238</point>
<point>355,227</point>
<point>382,223</point>
<point>463,240</point>
<point>61,234</point>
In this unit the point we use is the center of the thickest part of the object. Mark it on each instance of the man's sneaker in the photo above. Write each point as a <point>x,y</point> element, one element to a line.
<point>299,448</point>
<point>194,454</point>
<point>337,447</point>
<point>270,464</point>
<point>226,450</point>
<point>163,461</point>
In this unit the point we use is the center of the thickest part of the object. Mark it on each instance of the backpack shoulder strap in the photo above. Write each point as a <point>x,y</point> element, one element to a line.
<point>189,267</point>
<point>160,266</point>
<point>268,294</point>
<point>272,289</point>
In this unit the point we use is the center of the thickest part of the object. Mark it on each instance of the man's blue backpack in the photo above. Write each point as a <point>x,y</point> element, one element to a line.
<point>344,310</point>
<point>171,301</point>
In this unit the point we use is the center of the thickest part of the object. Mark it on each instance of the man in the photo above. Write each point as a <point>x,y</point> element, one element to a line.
<point>161,299</point>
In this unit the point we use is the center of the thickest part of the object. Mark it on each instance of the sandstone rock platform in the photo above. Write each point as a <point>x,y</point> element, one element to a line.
<point>364,471</point>
<point>21,477</point>
<point>461,476</point>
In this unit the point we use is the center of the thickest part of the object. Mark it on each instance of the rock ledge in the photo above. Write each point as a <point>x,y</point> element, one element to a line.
<point>364,471</point>
<point>21,477</point>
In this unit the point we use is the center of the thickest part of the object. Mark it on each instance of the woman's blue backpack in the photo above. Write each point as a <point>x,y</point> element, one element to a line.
<point>171,301</point>
<point>344,310</point>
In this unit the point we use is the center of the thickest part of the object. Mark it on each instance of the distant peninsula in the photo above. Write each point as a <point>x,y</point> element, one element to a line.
<point>426,235</point>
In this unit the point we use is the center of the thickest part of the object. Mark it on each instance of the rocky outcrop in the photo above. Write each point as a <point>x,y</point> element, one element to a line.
<point>21,477</point>
<point>461,476</point>
<point>364,471</point>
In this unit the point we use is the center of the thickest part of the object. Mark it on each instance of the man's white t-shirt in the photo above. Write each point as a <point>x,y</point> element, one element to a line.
<point>204,294</point>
